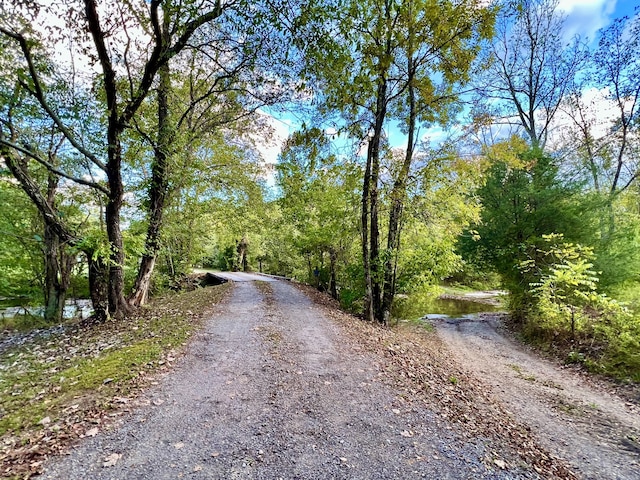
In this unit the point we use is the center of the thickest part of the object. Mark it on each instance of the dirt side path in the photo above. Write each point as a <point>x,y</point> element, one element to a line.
<point>269,389</point>
<point>596,431</point>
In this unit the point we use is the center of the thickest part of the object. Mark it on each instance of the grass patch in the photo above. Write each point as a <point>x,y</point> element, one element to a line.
<point>53,381</point>
<point>264,287</point>
<point>23,322</point>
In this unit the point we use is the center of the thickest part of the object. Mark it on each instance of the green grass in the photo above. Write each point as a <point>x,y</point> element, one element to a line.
<point>41,379</point>
<point>23,323</point>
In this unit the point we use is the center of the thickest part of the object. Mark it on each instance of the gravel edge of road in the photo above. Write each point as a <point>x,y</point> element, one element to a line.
<point>417,363</point>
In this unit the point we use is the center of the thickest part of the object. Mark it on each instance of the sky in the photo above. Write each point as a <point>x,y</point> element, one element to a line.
<point>583,18</point>
<point>586,17</point>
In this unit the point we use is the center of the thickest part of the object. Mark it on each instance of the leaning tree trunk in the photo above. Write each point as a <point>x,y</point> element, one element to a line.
<point>157,191</point>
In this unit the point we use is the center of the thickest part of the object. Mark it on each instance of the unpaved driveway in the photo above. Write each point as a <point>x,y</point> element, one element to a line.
<point>596,431</point>
<point>269,389</point>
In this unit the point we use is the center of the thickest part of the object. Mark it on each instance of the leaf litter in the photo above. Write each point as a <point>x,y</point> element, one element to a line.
<point>416,361</point>
<point>43,411</point>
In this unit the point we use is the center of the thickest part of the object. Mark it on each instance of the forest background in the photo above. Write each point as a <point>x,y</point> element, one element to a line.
<point>437,142</point>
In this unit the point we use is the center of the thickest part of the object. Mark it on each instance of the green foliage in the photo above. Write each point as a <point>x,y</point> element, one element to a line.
<point>351,291</point>
<point>318,211</point>
<point>564,285</point>
<point>569,310</point>
<point>522,199</point>
<point>21,260</point>
<point>618,252</point>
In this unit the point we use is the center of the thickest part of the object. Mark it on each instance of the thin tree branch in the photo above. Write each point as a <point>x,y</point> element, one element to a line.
<point>51,168</point>
<point>40,96</point>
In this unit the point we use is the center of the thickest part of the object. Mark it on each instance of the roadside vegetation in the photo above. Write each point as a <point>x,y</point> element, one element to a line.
<point>61,383</point>
<point>411,162</point>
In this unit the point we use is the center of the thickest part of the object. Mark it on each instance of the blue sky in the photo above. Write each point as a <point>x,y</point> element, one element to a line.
<point>583,18</point>
<point>586,17</point>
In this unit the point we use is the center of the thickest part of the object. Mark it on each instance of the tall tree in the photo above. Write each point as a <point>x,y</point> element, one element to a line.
<point>531,68</point>
<point>380,51</point>
<point>219,81</point>
<point>434,63</point>
<point>123,90</point>
<point>604,111</point>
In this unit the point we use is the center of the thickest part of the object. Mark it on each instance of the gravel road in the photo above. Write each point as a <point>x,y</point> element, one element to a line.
<point>270,389</point>
<point>596,431</point>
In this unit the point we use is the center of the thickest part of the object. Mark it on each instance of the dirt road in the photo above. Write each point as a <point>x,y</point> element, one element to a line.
<point>271,389</point>
<point>596,431</point>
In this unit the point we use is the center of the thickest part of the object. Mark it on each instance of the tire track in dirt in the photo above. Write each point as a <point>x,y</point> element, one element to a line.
<point>596,432</point>
<point>270,389</point>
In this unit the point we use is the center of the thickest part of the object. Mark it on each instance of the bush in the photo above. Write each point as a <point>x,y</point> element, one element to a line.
<point>566,310</point>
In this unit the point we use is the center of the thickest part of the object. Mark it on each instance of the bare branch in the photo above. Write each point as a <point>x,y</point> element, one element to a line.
<point>52,168</point>
<point>38,92</point>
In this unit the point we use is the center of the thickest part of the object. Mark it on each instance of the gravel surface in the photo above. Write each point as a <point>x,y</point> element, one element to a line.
<point>596,431</point>
<point>270,389</point>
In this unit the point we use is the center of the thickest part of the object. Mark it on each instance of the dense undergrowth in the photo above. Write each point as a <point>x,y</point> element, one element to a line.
<point>63,382</point>
<point>603,341</point>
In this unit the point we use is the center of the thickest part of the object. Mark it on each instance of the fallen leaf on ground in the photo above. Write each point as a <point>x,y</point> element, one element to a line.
<point>111,460</point>
<point>500,463</point>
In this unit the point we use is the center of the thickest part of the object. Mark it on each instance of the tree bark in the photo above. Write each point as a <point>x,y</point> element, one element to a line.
<point>98,286</point>
<point>58,264</point>
<point>368,296</point>
<point>374,299</point>
<point>333,283</point>
<point>398,195</point>
<point>159,184</point>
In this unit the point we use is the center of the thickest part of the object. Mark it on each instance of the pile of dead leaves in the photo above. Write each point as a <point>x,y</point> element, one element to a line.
<point>71,381</point>
<point>417,362</point>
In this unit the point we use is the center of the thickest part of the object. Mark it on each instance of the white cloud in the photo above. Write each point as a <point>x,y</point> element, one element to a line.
<point>586,17</point>
<point>270,144</point>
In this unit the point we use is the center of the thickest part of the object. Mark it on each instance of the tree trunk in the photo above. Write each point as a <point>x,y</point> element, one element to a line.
<point>398,195</point>
<point>371,253</point>
<point>243,262</point>
<point>333,284</point>
<point>54,295</point>
<point>159,186</point>
<point>98,286</point>
<point>118,305</point>
<point>58,263</point>
<point>368,296</point>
